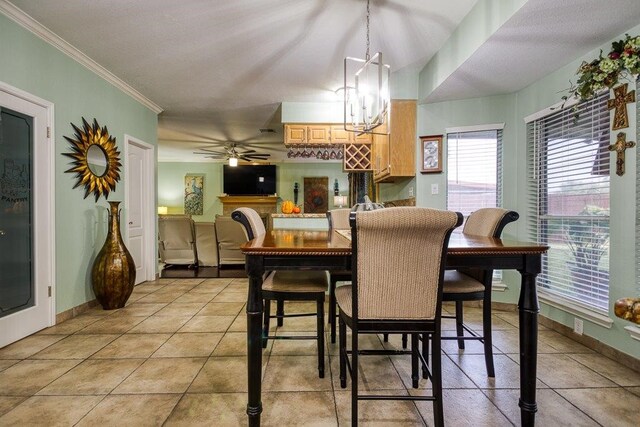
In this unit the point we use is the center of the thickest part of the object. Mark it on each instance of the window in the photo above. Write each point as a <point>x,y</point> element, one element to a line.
<point>568,174</point>
<point>474,170</point>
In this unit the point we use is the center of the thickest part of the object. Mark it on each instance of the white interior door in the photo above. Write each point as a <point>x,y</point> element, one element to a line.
<point>140,207</point>
<point>26,216</point>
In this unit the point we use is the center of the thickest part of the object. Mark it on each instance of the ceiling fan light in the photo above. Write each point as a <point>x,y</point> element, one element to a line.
<point>233,161</point>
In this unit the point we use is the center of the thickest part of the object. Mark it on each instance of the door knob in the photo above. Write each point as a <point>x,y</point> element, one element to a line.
<point>2,233</point>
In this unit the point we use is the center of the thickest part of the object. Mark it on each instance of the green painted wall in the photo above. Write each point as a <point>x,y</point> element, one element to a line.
<point>479,24</point>
<point>512,109</point>
<point>171,183</point>
<point>30,64</point>
<point>171,187</point>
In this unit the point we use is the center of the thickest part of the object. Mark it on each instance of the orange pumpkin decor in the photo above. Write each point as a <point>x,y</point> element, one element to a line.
<point>296,209</point>
<point>287,207</point>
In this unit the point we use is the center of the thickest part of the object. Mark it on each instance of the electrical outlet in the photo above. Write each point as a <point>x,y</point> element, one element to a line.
<point>410,191</point>
<point>435,189</point>
<point>578,325</point>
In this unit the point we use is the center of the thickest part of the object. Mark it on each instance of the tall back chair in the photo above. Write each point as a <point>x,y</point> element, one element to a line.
<point>338,220</point>
<point>475,284</point>
<point>287,286</point>
<point>398,260</point>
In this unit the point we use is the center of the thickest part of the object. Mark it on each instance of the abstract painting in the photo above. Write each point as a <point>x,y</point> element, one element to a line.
<point>316,194</point>
<point>193,194</point>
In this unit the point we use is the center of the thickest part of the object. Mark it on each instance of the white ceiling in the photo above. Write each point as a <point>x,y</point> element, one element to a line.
<point>221,68</point>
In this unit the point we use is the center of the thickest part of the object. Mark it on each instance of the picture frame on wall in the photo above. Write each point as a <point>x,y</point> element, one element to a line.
<point>193,194</point>
<point>431,154</point>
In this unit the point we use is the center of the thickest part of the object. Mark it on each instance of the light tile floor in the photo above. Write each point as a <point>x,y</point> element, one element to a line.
<point>175,356</point>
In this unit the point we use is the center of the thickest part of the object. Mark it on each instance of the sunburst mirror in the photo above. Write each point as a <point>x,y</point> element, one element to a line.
<point>96,159</point>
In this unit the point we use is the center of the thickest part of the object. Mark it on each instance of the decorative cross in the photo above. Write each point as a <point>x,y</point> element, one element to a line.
<point>619,147</point>
<point>619,102</point>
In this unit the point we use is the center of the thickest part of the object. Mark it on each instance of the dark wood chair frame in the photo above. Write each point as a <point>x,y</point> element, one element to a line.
<point>280,297</point>
<point>485,296</point>
<point>335,277</point>
<point>428,330</point>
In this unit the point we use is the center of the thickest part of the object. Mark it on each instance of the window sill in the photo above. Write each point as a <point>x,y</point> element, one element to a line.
<point>576,309</point>
<point>634,331</point>
<point>498,286</point>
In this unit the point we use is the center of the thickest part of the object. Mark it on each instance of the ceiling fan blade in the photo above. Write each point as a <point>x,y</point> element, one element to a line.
<point>210,152</point>
<point>249,151</point>
<point>257,156</point>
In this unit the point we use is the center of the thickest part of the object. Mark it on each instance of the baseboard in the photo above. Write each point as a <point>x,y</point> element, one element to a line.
<point>75,311</point>
<point>589,342</point>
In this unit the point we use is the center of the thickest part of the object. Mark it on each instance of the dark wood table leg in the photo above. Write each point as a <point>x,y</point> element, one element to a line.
<point>528,309</point>
<point>254,340</point>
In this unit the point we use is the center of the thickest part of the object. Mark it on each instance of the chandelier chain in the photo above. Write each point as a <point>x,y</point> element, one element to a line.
<point>367,57</point>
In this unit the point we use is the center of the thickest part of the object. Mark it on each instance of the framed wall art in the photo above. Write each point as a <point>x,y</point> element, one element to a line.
<point>431,154</point>
<point>316,194</point>
<point>193,194</point>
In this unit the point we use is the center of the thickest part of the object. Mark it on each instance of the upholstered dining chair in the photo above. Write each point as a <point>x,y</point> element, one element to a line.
<point>338,220</point>
<point>475,284</point>
<point>287,286</point>
<point>398,257</point>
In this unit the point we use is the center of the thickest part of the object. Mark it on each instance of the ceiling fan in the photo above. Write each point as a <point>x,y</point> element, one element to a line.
<point>233,153</point>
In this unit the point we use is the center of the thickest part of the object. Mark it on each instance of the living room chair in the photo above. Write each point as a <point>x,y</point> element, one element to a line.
<point>176,240</point>
<point>398,257</point>
<point>229,237</point>
<point>338,220</point>
<point>287,286</point>
<point>475,284</point>
<point>206,246</point>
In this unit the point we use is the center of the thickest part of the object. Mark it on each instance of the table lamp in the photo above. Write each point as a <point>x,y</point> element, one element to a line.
<point>339,200</point>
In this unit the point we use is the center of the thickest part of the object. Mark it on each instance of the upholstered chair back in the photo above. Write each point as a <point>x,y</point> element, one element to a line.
<point>338,219</point>
<point>488,222</point>
<point>250,219</point>
<point>398,256</point>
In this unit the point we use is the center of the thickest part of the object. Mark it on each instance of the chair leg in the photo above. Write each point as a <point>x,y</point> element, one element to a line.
<point>354,377</point>
<point>385,337</point>
<point>320,305</point>
<point>332,309</point>
<point>404,341</point>
<point>425,353</point>
<point>414,360</point>
<point>343,352</point>
<point>267,316</point>
<point>459,328</point>
<point>436,380</point>
<point>280,311</point>
<point>486,331</point>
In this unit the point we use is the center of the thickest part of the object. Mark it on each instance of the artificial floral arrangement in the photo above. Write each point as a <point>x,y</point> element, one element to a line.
<point>604,72</point>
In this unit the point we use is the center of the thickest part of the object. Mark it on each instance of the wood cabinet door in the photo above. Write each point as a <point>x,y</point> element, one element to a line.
<point>318,134</point>
<point>360,138</point>
<point>339,135</point>
<point>295,134</point>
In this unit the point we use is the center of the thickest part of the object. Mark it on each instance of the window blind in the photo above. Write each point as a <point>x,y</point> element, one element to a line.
<point>474,170</point>
<point>568,172</point>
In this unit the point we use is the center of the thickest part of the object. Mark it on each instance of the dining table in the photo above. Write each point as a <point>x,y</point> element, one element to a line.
<point>331,250</point>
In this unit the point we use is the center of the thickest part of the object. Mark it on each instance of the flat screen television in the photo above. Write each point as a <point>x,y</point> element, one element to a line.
<point>249,180</point>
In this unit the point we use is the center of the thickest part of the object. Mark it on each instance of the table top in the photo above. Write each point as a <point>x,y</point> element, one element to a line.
<point>301,242</point>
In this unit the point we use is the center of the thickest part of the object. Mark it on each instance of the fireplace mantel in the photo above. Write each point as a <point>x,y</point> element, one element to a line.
<point>262,204</point>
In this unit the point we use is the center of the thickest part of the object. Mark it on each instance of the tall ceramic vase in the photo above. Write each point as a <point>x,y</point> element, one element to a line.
<point>114,272</point>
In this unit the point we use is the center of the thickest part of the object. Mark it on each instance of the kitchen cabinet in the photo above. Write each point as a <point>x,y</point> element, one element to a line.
<point>321,134</point>
<point>394,155</point>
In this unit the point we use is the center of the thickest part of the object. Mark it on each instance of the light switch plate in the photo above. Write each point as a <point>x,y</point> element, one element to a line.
<point>434,189</point>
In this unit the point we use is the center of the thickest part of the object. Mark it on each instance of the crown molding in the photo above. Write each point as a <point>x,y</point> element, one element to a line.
<point>21,18</point>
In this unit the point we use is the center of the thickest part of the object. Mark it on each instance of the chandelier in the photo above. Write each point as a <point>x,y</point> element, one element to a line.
<point>366,91</point>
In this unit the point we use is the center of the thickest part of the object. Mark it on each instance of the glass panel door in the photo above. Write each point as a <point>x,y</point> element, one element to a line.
<point>17,288</point>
